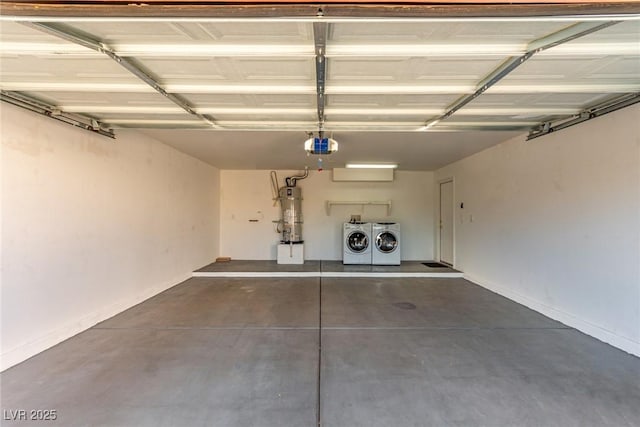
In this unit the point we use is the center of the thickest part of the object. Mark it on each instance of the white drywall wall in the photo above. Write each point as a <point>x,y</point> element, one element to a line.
<point>247,195</point>
<point>92,226</point>
<point>556,224</point>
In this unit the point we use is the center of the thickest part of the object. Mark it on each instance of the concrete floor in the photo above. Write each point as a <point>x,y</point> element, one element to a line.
<point>239,265</point>
<point>394,352</point>
<point>318,266</point>
<point>404,267</point>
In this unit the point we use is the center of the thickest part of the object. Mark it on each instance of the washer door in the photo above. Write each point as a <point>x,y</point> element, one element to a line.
<point>357,242</point>
<point>386,242</point>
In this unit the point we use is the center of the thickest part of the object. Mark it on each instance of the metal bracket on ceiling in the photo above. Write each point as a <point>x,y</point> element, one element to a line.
<point>37,106</point>
<point>320,31</point>
<point>93,43</point>
<point>563,36</point>
<point>588,114</point>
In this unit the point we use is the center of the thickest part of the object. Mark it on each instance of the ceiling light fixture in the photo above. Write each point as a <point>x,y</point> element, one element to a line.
<point>372,165</point>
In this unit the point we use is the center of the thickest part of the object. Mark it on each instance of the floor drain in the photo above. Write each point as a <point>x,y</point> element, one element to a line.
<point>405,305</point>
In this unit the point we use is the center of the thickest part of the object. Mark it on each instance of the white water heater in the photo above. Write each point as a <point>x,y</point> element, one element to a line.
<point>291,218</point>
<point>290,199</point>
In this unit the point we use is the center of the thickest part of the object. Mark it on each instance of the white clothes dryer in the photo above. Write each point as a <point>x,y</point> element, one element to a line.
<point>357,243</point>
<point>386,243</point>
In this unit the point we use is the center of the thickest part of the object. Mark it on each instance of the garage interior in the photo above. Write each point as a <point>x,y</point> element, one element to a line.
<point>138,144</point>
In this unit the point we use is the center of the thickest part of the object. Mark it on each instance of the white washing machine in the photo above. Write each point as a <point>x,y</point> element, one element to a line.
<point>386,243</point>
<point>357,243</point>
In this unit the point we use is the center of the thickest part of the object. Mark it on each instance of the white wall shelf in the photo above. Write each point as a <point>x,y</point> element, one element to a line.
<point>331,203</point>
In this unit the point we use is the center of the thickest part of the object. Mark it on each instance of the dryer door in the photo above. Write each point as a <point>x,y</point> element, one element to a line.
<point>386,242</point>
<point>357,241</point>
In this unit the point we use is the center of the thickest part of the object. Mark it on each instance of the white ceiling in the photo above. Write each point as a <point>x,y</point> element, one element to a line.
<point>384,81</point>
<point>283,150</point>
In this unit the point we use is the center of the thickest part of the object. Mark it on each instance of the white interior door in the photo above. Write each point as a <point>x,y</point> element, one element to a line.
<point>446,222</point>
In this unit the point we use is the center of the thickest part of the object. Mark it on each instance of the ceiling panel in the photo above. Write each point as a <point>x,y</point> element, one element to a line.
<point>625,31</point>
<point>387,77</point>
<point>289,115</point>
<point>232,70</point>
<point>142,116</point>
<point>199,32</point>
<point>62,69</point>
<point>443,32</point>
<point>375,117</point>
<point>390,101</point>
<point>410,70</point>
<point>18,32</point>
<point>514,117</point>
<point>102,99</point>
<point>572,70</point>
<point>599,63</point>
<point>540,100</point>
<point>255,101</point>
<point>299,126</point>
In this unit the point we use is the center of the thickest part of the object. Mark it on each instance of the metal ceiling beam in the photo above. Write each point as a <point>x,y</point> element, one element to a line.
<point>320,32</point>
<point>37,106</point>
<point>91,42</point>
<point>588,114</point>
<point>563,36</point>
